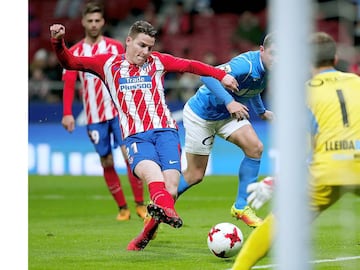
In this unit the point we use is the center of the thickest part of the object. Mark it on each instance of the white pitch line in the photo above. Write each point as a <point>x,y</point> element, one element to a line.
<point>313,262</point>
<point>337,259</point>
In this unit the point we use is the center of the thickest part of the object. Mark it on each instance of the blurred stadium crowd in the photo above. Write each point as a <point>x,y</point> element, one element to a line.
<point>212,31</point>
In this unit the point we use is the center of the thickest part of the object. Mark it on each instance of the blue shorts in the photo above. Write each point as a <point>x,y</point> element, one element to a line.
<point>159,145</point>
<point>105,136</point>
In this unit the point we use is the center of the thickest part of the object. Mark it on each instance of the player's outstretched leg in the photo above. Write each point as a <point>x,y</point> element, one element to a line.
<point>165,214</point>
<point>148,233</point>
<point>162,206</point>
<point>148,219</point>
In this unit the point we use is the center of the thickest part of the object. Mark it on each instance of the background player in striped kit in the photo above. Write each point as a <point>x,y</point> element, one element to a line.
<point>333,100</point>
<point>101,115</point>
<point>136,83</point>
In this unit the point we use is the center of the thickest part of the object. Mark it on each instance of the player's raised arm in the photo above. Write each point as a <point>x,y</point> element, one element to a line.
<point>178,64</point>
<point>67,60</point>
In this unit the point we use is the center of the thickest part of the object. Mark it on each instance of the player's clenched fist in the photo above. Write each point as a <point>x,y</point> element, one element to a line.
<point>57,31</point>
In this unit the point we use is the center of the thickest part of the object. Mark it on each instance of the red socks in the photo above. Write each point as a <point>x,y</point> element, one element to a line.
<point>113,183</point>
<point>137,186</point>
<point>159,195</point>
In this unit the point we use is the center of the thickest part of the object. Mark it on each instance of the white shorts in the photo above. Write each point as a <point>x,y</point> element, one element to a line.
<point>200,133</point>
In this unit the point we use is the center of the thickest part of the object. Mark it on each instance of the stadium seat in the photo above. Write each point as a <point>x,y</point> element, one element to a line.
<point>116,10</point>
<point>203,23</point>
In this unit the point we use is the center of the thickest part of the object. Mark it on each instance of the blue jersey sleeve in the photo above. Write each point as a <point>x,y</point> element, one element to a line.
<point>238,67</point>
<point>217,89</point>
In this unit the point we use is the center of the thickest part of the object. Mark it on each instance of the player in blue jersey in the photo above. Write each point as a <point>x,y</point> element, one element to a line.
<point>333,101</point>
<point>213,110</point>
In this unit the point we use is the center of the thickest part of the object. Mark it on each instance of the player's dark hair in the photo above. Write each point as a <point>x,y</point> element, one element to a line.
<point>142,27</point>
<point>324,49</point>
<point>93,7</point>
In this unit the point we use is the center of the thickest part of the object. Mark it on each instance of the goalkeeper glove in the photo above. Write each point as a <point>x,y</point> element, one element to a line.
<point>260,192</point>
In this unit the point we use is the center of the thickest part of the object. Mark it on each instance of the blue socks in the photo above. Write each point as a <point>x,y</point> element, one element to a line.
<point>183,185</point>
<point>248,173</point>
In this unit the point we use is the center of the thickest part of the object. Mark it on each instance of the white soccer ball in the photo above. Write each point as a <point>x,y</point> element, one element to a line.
<point>225,240</point>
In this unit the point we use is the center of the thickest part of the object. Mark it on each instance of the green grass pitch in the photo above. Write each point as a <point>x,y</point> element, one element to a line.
<point>72,225</point>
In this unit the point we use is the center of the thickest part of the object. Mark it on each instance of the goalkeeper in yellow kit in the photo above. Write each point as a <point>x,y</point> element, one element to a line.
<point>334,169</point>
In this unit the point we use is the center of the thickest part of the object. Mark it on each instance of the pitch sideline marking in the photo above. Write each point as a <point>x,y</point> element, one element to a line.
<point>313,262</point>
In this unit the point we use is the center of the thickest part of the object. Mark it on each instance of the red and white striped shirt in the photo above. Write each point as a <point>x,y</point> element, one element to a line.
<point>96,99</point>
<point>138,92</point>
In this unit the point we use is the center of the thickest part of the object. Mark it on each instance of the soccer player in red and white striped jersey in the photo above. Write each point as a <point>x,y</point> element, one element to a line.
<point>101,115</point>
<point>135,81</point>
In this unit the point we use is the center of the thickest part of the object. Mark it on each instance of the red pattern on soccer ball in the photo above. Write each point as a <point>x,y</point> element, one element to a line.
<point>212,232</point>
<point>234,237</point>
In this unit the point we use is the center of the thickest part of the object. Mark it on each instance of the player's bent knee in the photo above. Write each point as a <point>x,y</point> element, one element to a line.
<point>254,151</point>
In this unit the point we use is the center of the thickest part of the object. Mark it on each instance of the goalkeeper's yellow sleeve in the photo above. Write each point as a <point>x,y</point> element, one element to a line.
<point>256,246</point>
